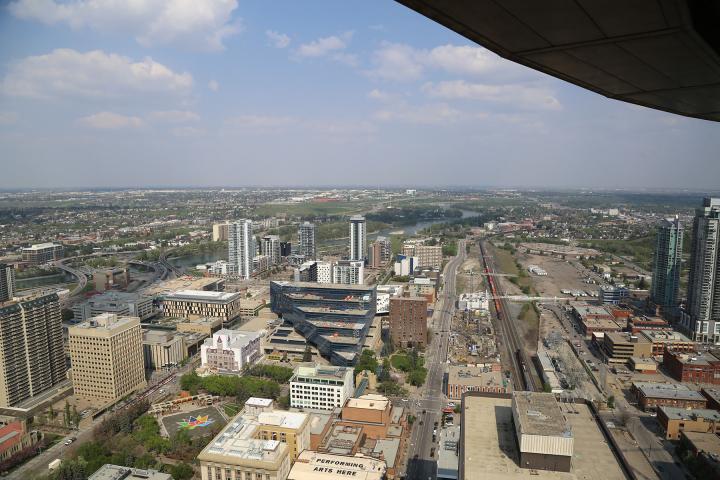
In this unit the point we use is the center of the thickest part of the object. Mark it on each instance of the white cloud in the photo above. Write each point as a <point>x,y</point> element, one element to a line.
<point>174,116</point>
<point>96,74</point>
<point>213,85</point>
<point>332,47</point>
<point>278,40</point>
<point>110,121</point>
<point>400,62</point>
<point>193,23</point>
<point>380,95</point>
<point>522,96</point>
<point>8,118</point>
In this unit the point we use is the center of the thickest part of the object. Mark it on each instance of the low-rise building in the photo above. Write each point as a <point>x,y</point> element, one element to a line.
<point>318,466</point>
<point>705,448</point>
<point>662,339</point>
<point>642,365</point>
<point>258,443</point>
<point>619,347</point>
<point>713,397</point>
<point>427,255</point>
<point>594,318</point>
<point>370,410</point>
<point>422,287</point>
<point>612,295</point>
<point>162,349</point>
<point>194,304</point>
<point>675,420</point>
<point>462,379</point>
<point>205,325</point>
<point>118,472</point>
<point>321,387</point>
<point>544,436</point>
<point>651,395</point>
<point>645,323</point>
<point>15,438</point>
<point>448,447</point>
<point>694,367</point>
<point>123,304</point>
<point>230,351</point>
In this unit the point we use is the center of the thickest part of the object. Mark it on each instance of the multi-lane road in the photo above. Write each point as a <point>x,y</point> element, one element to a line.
<point>430,400</point>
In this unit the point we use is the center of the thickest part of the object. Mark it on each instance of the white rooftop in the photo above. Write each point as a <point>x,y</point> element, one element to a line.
<point>202,295</point>
<point>293,420</point>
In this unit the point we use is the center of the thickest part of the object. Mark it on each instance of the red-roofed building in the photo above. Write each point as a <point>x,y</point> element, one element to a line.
<point>14,438</point>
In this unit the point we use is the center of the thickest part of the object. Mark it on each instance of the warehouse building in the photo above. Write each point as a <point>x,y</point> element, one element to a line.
<point>693,367</point>
<point>543,433</point>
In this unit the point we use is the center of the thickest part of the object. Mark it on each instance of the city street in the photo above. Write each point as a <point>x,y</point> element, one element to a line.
<point>430,400</point>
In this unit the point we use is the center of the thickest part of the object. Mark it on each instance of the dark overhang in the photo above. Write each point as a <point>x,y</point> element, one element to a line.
<point>662,54</point>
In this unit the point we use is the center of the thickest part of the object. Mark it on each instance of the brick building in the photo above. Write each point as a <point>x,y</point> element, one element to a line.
<point>694,367</point>
<point>675,420</point>
<point>651,395</point>
<point>408,321</point>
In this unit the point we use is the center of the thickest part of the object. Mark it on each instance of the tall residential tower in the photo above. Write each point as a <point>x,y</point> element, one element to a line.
<point>7,282</point>
<point>241,247</point>
<point>306,240</point>
<point>668,258</point>
<point>702,316</point>
<point>32,357</point>
<point>358,238</point>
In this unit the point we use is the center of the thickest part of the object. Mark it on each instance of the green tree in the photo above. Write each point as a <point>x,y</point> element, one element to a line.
<point>181,471</point>
<point>66,414</point>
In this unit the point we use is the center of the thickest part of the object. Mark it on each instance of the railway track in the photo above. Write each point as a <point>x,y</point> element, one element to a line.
<point>519,362</point>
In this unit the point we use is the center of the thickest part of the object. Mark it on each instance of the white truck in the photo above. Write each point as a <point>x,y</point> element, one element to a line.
<point>54,464</point>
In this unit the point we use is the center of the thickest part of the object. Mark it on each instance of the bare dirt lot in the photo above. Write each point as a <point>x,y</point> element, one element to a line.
<point>561,275</point>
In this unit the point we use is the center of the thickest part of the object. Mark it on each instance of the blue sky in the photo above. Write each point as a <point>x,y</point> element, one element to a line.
<point>226,93</point>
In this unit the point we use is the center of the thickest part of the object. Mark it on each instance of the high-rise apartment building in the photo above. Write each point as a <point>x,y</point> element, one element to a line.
<point>702,316</point>
<point>348,272</point>
<point>7,282</point>
<point>306,241</point>
<point>358,238</point>
<point>428,255</point>
<point>270,246</point>
<point>106,353</point>
<point>408,321</point>
<point>668,258</point>
<point>285,249</point>
<point>32,358</point>
<point>379,252</point>
<point>220,232</point>
<point>241,247</point>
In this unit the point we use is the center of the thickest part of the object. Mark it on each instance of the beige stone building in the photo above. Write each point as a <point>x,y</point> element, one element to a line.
<point>427,255</point>
<point>162,349</point>
<point>107,358</point>
<point>259,443</point>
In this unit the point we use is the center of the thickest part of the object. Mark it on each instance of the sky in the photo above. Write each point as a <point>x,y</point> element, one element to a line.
<point>116,93</point>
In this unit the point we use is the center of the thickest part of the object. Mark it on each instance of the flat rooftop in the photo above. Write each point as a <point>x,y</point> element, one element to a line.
<point>317,466</point>
<point>664,336</point>
<point>601,323</point>
<point>324,286</point>
<point>667,390</point>
<point>319,372</point>
<point>449,443</point>
<point>540,414</point>
<point>704,442</point>
<point>202,296</point>
<point>584,309</point>
<point>278,418</point>
<point>117,472</point>
<point>369,402</point>
<point>473,376</point>
<point>625,338</point>
<point>674,413</point>
<point>490,445</point>
<point>696,358</point>
<point>42,246</point>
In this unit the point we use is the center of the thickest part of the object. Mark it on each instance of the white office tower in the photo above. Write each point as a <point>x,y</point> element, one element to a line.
<point>349,272</point>
<point>270,246</point>
<point>702,318</point>
<point>306,240</point>
<point>241,247</point>
<point>324,272</point>
<point>358,238</point>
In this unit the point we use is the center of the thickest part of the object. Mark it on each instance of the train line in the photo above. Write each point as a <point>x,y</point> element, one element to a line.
<point>519,361</point>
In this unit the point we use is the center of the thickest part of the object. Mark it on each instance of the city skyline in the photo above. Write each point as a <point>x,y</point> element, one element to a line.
<point>117,99</point>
